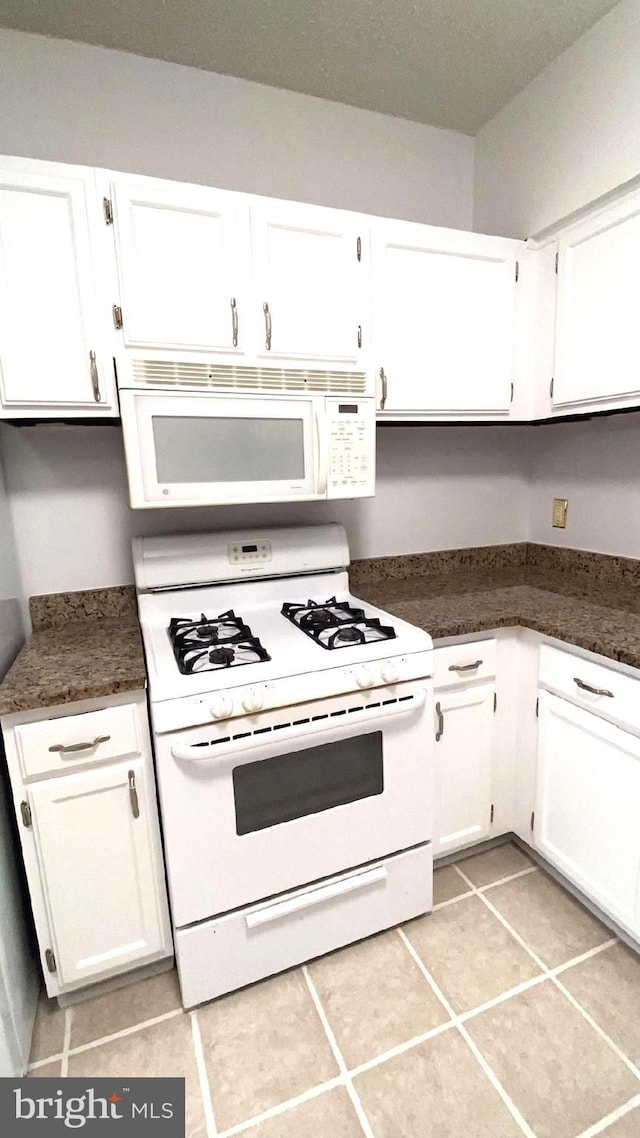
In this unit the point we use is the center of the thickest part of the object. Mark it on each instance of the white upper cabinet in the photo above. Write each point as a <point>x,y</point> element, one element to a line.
<point>311,281</point>
<point>183,266</point>
<point>598,331</point>
<point>53,359</point>
<point>101,865</point>
<point>587,813</point>
<point>444,306</point>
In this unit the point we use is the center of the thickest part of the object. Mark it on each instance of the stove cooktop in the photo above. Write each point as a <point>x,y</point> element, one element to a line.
<point>336,624</point>
<point>209,643</point>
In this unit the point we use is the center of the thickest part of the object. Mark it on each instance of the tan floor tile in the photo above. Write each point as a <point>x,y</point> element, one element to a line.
<point>494,864</point>
<point>114,1011</point>
<point>47,1071</point>
<point>626,1127</point>
<point>330,1115</point>
<point>556,1069</point>
<point>608,987</point>
<point>447,883</point>
<point>164,1049</point>
<point>262,1046</point>
<point>550,920</point>
<point>48,1032</point>
<point>435,1090</point>
<point>375,996</point>
<point>469,953</point>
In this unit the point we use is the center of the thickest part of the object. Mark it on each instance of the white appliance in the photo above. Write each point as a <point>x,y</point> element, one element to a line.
<point>202,434</point>
<point>19,971</point>
<point>293,729</point>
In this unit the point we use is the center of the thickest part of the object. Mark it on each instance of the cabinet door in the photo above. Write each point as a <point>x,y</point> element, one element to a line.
<point>444,313</point>
<point>463,756</point>
<point>310,273</point>
<point>587,816</point>
<point>181,261</point>
<point>101,869</point>
<point>49,332</point>
<point>598,331</point>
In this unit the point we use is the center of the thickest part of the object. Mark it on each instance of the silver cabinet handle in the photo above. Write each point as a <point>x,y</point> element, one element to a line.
<point>594,691</point>
<point>359,335</point>
<point>465,667</point>
<point>384,389</point>
<point>73,748</point>
<point>440,731</point>
<point>267,325</point>
<point>234,321</point>
<point>133,795</point>
<point>95,379</point>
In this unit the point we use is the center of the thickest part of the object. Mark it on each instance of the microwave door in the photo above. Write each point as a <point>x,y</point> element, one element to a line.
<point>194,450</point>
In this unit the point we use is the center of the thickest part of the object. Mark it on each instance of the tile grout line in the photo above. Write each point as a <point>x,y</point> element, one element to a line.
<point>614,1116</point>
<point>337,1054</point>
<point>480,888</point>
<point>283,1107</point>
<point>400,1048</point>
<point>480,1059</point>
<point>57,1058</point>
<point>126,1031</point>
<point>64,1067</point>
<point>596,1026</point>
<point>205,1089</point>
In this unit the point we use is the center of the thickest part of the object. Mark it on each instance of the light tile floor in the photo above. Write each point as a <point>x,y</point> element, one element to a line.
<point>509,1010</point>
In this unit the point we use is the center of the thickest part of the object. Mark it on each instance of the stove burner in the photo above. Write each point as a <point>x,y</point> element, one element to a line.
<point>336,624</point>
<point>209,643</point>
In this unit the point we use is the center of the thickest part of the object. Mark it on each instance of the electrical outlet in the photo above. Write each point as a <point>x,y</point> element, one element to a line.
<point>559,514</point>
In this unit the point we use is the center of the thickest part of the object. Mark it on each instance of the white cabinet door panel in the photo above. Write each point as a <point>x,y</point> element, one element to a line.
<point>463,757</point>
<point>598,331</point>
<point>182,262</point>
<point>102,870</point>
<point>587,818</point>
<point>444,319</point>
<point>48,307</point>
<point>308,273</point>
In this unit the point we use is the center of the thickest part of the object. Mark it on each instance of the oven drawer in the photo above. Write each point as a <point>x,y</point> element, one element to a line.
<point>228,952</point>
<point>463,662</point>
<point>51,746</point>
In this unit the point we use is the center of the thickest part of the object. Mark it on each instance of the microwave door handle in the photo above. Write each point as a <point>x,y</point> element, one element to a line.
<point>321,453</point>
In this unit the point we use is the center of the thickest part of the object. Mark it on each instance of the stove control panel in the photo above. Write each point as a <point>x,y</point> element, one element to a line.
<point>243,552</point>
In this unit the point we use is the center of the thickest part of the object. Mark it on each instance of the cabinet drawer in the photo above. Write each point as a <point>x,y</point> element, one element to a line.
<point>600,689</point>
<point>73,741</point>
<point>228,952</point>
<point>459,662</point>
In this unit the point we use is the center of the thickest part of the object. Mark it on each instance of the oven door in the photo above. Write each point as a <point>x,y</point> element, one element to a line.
<point>291,796</point>
<point>187,449</point>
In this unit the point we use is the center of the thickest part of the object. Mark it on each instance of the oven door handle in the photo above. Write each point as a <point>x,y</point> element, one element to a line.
<point>196,753</point>
<point>280,909</point>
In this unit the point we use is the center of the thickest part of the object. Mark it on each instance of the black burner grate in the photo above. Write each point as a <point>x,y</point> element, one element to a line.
<point>210,643</point>
<point>337,624</point>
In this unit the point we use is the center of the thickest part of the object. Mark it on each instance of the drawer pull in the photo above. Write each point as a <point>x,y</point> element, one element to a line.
<point>317,896</point>
<point>594,691</point>
<point>440,731</point>
<point>465,667</point>
<point>73,748</point>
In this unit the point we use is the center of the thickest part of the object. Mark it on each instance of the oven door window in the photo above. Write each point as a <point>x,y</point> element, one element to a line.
<point>299,783</point>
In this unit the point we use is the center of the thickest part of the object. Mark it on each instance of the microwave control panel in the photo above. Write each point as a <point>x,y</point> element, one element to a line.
<point>352,448</point>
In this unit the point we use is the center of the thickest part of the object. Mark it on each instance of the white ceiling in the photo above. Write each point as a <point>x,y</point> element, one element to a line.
<point>450,63</point>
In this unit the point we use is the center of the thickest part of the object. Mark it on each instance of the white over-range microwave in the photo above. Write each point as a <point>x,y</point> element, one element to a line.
<point>200,434</point>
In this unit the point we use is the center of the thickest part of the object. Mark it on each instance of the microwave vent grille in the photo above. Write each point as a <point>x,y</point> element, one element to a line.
<point>232,377</point>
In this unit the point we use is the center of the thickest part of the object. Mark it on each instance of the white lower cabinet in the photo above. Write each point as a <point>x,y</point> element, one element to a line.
<point>463,766</point>
<point>91,841</point>
<point>587,814</point>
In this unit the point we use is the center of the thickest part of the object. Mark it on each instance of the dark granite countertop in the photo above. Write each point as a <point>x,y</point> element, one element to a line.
<point>93,649</point>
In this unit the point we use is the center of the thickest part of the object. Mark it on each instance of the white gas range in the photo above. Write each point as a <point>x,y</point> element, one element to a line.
<point>293,733</point>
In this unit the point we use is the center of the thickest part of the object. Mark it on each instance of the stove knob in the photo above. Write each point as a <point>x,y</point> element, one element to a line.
<point>253,700</point>
<point>389,672</point>
<point>364,677</point>
<point>222,707</point>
